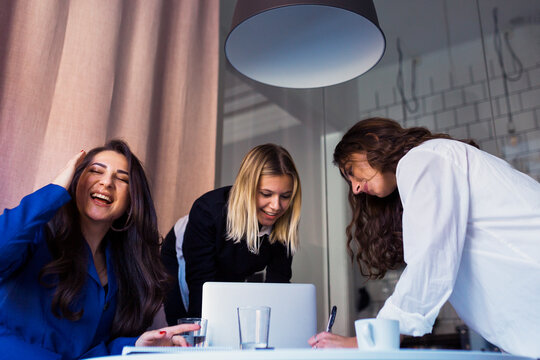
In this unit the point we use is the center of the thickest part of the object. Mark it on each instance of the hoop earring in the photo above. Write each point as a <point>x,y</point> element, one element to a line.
<point>127,224</point>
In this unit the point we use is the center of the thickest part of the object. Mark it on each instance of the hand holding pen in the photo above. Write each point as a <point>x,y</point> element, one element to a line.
<point>320,340</point>
<point>326,339</point>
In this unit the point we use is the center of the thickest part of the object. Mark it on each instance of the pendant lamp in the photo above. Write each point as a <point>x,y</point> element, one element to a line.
<point>304,44</point>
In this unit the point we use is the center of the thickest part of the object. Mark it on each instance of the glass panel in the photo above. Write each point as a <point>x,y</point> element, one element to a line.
<point>431,75</point>
<point>435,74</point>
<point>253,114</point>
<point>441,70</point>
<point>256,114</point>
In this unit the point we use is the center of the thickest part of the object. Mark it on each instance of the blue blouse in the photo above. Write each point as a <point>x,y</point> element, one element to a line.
<point>28,328</point>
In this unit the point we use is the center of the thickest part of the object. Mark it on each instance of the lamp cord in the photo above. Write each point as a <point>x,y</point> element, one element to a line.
<point>517,64</point>
<point>412,105</point>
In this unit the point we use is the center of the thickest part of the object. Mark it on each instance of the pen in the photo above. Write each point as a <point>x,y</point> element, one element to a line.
<point>331,319</point>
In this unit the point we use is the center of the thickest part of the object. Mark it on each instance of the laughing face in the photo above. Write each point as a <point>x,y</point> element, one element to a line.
<point>274,194</point>
<point>103,189</point>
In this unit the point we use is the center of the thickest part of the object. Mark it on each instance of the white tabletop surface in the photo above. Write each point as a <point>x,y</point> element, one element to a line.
<point>317,354</point>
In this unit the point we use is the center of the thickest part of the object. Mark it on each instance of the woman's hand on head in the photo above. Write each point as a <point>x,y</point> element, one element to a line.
<point>328,340</point>
<point>66,175</point>
<point>166,336</point>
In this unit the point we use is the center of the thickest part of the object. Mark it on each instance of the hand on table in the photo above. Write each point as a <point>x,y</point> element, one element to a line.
<point>166,336</point>
<point>328,340</point>
<point>66,175</point>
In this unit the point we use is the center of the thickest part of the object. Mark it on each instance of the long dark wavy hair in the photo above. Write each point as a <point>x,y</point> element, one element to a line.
<point>134,244</point>
<point>375,231</point>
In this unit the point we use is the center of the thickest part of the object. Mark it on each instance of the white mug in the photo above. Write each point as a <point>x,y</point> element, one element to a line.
<point>377,334</point>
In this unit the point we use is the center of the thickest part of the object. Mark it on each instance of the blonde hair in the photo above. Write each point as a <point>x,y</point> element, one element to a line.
<point>267,159</point>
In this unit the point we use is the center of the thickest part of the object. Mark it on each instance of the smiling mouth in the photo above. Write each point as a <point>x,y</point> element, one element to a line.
<point>106,199</point>
<point>270,214</point>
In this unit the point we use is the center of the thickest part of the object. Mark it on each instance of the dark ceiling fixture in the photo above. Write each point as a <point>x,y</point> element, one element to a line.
<point>304,44</point>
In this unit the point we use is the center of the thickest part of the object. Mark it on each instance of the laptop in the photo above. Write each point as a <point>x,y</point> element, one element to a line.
<point>293,314</point>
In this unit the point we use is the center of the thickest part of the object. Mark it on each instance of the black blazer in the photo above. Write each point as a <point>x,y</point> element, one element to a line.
<point>210,257</point>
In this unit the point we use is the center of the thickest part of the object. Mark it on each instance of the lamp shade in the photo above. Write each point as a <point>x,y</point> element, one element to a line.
<point>304,44</point>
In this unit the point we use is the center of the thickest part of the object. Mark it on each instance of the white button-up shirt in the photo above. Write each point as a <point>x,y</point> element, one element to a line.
<point>471,235</point>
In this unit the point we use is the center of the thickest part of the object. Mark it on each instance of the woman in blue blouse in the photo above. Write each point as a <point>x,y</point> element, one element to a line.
<point>79,269</point>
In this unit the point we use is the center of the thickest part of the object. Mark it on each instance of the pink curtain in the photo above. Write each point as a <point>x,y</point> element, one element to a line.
<point>74,74</point>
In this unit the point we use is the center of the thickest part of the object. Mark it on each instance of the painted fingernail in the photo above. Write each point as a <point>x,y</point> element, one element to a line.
<point>162,332</point>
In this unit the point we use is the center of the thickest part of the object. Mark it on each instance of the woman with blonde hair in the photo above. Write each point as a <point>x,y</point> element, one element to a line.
<point>235,232</point>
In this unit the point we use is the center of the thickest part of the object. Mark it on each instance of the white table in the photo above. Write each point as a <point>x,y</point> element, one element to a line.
<point>317,354</point>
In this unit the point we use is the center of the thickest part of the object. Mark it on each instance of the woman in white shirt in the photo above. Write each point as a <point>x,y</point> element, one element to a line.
<point>464,222</point>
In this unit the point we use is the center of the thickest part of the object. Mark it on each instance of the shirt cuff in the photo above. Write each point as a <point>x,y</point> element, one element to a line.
<point>409,323</point>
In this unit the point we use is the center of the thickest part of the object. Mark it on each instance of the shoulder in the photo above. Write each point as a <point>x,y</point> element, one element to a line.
<point>212,202</point>
<point>444,147</point>
<point>436,151</point>
<point>215,197</point>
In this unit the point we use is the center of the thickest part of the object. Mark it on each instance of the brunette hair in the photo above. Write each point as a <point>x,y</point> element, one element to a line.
<point>376,226</point>
<point>267,159</point>
<point>134,241</point>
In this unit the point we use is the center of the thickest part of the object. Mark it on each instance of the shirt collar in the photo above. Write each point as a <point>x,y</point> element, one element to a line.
<point>265,230</point>
<point>91,268</point>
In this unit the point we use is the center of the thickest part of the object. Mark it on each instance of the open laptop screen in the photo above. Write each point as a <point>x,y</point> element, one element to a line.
<point>293,315</point>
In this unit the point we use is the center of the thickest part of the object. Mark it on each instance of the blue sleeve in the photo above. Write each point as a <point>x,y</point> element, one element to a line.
<point>21,227</point>
<point>115,346</point>
<point>13,347</point>
<point>112,348</point>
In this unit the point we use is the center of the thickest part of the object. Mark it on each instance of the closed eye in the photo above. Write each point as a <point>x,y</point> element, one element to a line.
<point>346,173</point>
